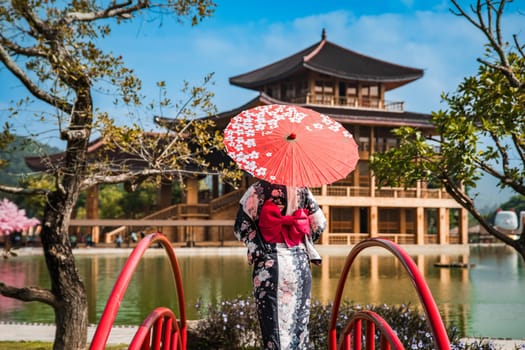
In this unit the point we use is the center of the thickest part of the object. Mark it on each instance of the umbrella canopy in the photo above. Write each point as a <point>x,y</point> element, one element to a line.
<point>290,145</point>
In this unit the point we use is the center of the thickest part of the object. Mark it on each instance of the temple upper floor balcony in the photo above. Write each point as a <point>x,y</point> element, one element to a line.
<point>348,102</point>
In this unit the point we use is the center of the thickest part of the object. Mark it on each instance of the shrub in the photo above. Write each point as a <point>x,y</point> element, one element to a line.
<point>229,324</point>
<point>233,325</point>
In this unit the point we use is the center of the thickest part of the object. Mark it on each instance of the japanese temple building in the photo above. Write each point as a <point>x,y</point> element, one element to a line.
<point>351,88</point>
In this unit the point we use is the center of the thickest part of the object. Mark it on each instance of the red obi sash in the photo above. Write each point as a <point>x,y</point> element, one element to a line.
<point>278,228</point>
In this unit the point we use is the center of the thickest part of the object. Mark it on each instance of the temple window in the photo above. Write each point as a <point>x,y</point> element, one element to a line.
<point>362,136</point>
<point>389,220</point>
<point>385,140</point>
<point>324,92</point>
<point>301,90</point>
<point>348,94</point>
<point>342,220</point>
<point>370,96</point>
<point>288,92</point>
<point>274,91</point>
<point>364,173</point>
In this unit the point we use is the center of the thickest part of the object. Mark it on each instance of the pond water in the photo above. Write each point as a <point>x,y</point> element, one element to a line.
<point>485,300</point>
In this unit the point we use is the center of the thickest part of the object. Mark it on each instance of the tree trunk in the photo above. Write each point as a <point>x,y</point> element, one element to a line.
<point>70,306</point>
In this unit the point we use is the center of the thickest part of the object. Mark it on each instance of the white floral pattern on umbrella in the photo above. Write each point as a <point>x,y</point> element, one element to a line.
<point>290,145</point>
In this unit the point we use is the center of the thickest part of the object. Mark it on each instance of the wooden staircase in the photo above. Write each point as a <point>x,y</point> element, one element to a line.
<point>182,212</point>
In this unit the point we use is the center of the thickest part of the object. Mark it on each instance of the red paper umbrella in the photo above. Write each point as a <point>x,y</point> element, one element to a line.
<point>290,145</point>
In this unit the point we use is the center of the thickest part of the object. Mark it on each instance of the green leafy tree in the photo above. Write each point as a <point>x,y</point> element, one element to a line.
<point>53,49</point>
<point>482,133</point>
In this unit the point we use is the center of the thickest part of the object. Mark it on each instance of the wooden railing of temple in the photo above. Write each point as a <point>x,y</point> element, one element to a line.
<point>181,212</point>
<point>349,102</point>
<point>225,201</point>
<point>174,212</point>
<point>386,192</point>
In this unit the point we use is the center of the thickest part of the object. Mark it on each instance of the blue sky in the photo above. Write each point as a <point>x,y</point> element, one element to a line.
<point>245,35</point>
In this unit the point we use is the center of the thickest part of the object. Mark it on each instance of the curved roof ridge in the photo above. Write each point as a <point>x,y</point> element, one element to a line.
<point>291,61</point>
<point>315,51</point>
<point>368,57</point>
<point>331,59</point>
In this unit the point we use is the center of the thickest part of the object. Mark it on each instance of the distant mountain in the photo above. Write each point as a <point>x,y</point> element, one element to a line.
<point>15,154</point>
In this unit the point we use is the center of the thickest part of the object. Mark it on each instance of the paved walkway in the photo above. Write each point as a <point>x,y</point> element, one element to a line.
<point>46,332</point>
<point>124,335</point>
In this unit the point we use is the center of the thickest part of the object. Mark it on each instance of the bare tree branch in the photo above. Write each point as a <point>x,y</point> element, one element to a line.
<point>26,51</point>
<point>28,294</point>
<point>23,8</point>
<point>466,202</point>
<point>99,178</point>
<point>123,10</point>
<point>519,47</point>
<point>24,191</point>
<point>494,36</point>
<point>30,85</point>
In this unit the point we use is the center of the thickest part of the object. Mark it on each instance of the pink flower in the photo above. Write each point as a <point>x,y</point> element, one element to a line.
<point>268,263</point>
<point>13,219</point>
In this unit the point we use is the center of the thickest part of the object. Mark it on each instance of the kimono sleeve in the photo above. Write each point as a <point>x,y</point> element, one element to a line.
<point>316,216</point>
<point>245,226</point>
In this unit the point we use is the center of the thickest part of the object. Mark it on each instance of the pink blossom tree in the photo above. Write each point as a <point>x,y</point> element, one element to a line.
<point>13,220</point>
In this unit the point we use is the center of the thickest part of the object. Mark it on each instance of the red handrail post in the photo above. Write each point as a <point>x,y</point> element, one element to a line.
<point>109,314</point>
<point>435,321</point>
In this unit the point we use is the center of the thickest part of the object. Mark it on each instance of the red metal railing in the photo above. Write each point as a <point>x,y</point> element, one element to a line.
<point>161,328</point>
<point>351,337</point>
<point>439,332</point>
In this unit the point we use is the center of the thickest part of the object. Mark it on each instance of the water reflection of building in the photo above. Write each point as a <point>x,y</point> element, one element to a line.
<point>374,279</point>
<point>351,88</point>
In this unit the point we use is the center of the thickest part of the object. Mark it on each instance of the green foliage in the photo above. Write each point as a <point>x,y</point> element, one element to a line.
<point>115,202</point>
<point>515,202</point>
<point>480,134</point>
<point>13,154</point>
<point>36,204</point>
<point>54,49</point>
<point>483,130</point>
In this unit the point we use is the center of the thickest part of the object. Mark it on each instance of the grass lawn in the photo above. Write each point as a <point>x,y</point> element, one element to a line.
<point>38,345</point>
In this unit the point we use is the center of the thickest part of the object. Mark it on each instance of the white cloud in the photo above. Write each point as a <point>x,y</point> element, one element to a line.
<point>444,45</point>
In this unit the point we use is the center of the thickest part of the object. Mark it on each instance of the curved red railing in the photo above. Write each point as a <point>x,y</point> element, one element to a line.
<point>161,318</point>
<point>159,330</point>
<point>351,336</point>
<point>439,332</point>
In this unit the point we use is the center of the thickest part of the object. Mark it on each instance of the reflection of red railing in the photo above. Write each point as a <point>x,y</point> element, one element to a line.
<point>161,326</point>
<point>439,332</point>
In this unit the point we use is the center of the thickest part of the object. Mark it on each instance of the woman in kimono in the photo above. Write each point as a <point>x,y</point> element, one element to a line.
<point>278,225</point>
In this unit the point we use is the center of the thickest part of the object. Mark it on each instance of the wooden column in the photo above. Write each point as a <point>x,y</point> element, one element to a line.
<point>420,225</point>
<point>92,212</point>
<point>325,236</point>
<point>215,186</point>
<point>403,220</point>
<point>164,194</point>
<point>463,225</point>
<point>443,226</point>
<point>192,191</point>
<point>374,225</point>
<point>357,220</point>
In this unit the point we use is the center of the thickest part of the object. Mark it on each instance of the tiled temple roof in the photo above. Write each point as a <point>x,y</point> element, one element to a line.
<point>328,58</point>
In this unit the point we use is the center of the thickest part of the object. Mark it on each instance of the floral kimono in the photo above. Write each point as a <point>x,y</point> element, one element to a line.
<point>278,225</point>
